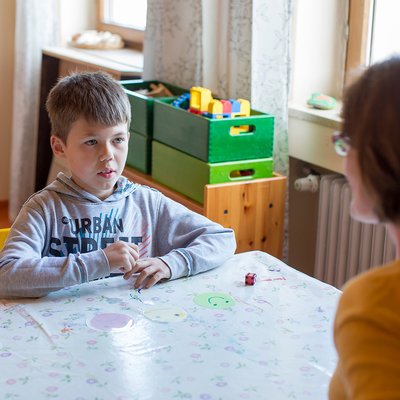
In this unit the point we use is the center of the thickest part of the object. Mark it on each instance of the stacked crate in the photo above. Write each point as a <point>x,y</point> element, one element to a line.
<point>190,150</point>
<point>141,127</point>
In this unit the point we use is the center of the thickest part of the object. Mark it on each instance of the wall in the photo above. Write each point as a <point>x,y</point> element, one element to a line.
<point>318,48</point>
<point>7,28</point>
<point>318,56</point>
<point>71,21</point>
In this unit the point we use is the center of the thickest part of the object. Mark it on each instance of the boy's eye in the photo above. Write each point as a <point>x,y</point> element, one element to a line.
<point>119,140</point>
<point>91,142</point>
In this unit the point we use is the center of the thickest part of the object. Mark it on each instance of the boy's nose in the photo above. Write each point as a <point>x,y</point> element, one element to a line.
<point>106,154</point>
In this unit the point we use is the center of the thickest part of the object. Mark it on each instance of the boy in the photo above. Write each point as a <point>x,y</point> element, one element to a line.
<point>96,222</point>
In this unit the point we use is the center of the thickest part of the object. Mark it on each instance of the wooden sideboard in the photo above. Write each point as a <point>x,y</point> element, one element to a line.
<point>254,209</point>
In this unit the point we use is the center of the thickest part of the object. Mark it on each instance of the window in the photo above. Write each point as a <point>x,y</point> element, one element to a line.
<point>373,31</point>
<point>124,17</point>
<point>385,29</point>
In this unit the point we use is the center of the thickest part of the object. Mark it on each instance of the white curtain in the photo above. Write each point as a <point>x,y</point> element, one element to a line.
<point>36,27</point>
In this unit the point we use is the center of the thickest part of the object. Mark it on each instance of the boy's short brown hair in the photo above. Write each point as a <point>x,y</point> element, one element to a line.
<point>371,120</point>
<point>95,96</point>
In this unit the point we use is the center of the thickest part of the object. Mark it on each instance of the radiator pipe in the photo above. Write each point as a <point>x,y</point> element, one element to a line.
<point>309,183</point>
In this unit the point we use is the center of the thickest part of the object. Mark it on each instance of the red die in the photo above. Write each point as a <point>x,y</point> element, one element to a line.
<point>250,279</point>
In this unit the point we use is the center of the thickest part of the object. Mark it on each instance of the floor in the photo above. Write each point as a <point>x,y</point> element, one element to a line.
<point>4,222</point>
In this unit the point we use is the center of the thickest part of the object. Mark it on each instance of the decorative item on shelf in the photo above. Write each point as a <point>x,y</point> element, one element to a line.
<point>321,101</point>
<point>96,40</point>
<point>155,90</point>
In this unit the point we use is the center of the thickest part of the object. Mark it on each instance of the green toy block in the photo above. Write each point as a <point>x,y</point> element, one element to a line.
<point>188,175</point>
<point>139,154</point>
<point>214,140</point>
<point>142,106</point>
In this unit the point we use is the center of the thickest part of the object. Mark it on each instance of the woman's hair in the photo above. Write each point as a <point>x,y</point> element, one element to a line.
<point>371,120</point>
<point>95,96</point>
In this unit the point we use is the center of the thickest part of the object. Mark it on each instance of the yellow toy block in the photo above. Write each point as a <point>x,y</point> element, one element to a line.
<point>216,107</point>
<point>3,236</point>
<point>199,99</point>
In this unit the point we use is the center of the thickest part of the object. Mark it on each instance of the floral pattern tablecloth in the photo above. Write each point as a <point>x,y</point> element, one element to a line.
<point>269,341</point>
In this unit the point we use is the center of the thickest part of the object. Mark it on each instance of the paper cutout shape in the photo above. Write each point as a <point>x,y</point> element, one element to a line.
<point>165,314</point>
<point>214,300</point>
<point>110,322</point>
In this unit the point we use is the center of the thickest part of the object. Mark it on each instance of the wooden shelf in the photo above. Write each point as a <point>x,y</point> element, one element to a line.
<point>254,209</point>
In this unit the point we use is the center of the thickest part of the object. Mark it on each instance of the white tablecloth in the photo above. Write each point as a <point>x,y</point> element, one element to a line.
<point>205,337</point>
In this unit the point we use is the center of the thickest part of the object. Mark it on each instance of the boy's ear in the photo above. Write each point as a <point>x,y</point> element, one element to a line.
<point>57,146</point>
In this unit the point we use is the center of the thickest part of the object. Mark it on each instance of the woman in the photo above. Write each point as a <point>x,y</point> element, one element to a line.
<point>367,323</point>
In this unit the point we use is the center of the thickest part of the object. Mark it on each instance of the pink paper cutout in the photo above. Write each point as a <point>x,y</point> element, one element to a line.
<point>111,322</point>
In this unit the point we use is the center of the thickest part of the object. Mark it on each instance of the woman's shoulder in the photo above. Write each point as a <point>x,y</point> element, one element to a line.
<point>373,287</point>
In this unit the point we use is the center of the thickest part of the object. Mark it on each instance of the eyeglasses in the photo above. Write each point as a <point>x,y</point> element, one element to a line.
<point>341,143</point>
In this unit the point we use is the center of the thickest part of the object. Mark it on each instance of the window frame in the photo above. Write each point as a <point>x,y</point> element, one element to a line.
<point>133,38</point>
<point>359,21</point>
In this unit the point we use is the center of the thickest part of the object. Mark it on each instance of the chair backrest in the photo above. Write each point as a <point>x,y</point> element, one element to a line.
<point>3,236</point>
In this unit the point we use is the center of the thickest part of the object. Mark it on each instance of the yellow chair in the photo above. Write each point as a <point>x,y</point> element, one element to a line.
<point>3,236</point>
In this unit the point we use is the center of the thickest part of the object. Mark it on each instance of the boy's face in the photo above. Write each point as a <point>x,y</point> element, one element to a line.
<point>95,154</point>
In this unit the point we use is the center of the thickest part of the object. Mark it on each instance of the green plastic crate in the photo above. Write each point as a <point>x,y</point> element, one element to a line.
<point>139,154</point>
<point>211,140</point>
<point>142,106</point>
<point>188,175</point>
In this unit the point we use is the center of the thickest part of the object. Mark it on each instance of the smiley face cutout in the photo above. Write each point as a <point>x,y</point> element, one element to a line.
<point>214,300</point>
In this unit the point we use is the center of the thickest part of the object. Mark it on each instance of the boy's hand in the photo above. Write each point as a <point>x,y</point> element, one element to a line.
<point>151,271</point>
<point>122,256</point>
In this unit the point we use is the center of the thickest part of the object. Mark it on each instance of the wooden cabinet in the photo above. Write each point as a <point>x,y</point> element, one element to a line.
<point>253,209</point>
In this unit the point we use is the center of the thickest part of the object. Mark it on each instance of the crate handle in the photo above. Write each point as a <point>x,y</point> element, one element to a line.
<point>241,130</point>
<point>242,174</point>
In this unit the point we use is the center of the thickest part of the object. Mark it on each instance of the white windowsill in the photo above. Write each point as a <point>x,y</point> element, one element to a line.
<point>309,136</point>
<point>328,118</point>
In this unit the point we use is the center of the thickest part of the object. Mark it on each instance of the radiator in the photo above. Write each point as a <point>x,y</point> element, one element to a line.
<point>344,246</point>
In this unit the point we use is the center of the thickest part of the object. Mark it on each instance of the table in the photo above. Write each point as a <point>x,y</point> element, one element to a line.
<point>204,337</point>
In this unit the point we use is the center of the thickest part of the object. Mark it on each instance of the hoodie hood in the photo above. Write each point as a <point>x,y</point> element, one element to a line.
<point>64,185</point>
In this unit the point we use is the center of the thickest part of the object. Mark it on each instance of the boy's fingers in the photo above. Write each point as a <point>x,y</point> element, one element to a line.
<point>142,264</point>
<point>152,280</point>
<point>145,273</point>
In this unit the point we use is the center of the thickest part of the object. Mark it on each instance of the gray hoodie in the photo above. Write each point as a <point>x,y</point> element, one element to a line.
<point>58,237</point>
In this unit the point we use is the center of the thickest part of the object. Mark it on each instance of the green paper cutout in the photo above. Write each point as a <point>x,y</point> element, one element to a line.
<point>214,300</point>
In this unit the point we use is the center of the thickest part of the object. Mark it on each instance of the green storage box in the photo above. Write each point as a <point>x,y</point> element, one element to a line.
<point>139,154</point>
<point>142,106</point>
<point>212,140</point>
<point>188,175</point>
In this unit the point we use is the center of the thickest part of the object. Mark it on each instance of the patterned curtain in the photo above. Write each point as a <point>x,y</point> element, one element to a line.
<point>36,27</point>
<point>173,50</point>
<point>270,69</point>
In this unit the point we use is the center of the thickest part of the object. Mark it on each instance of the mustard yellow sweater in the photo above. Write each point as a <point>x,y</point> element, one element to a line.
<point>367,337</point>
